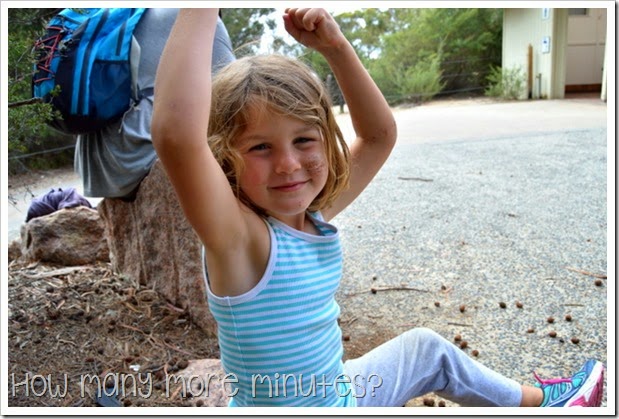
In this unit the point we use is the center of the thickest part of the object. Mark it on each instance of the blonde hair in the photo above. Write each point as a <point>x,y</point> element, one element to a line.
<point>287,87</point>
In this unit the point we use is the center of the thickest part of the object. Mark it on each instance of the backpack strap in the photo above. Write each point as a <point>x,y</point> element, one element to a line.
<point>134,62</point>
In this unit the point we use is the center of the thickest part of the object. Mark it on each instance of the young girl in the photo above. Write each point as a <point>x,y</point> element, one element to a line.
<point>260,192</point>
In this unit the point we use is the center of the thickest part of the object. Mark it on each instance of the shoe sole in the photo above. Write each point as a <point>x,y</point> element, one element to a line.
<point>591,392</point>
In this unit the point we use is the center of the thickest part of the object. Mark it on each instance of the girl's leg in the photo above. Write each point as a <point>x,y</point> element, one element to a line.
<point>421,361</point>
<point>531,396</point>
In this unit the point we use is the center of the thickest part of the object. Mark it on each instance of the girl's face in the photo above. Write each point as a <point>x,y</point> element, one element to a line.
<point>285,164</point>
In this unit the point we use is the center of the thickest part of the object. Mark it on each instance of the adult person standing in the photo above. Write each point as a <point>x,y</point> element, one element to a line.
<point>114,160</point>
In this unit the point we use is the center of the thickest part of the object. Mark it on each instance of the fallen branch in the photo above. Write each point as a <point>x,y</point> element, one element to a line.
<point>67,342</point>
<point>135,329</point>
<point>374,290</point>
<point>397,288</point>
<point>348,322</point>
<point>55,272</point>
<point>174,308</point>
<point>459,324</point>
<point>420,179</point>
<point>174,349</point>
<point>580,271</point>
<point>130,307</point>
<point>175,394</point>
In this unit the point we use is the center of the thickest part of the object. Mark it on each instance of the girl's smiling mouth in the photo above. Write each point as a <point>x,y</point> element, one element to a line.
<point>290,186</point>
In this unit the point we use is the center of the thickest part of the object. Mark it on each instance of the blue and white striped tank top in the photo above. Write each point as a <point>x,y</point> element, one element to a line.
<point>281,340</point>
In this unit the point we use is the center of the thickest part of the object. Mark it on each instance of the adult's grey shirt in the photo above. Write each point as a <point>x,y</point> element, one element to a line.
<point>113,161</point>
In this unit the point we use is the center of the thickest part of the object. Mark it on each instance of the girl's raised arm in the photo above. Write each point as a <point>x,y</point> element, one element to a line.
<point>179,130</point>
<point>371,116</point>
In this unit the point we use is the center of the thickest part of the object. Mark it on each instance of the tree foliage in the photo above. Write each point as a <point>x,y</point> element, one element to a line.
<point>471,41</point>
<point>414,54</point>
<point>451,49</point>
<point>246,28</point>
<point>366,29</point>
<point>26,124</point>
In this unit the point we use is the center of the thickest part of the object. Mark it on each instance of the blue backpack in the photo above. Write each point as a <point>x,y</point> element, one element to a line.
<point>86,67</point>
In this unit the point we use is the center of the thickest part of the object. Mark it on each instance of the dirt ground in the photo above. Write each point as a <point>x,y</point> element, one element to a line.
<point>68,325</point>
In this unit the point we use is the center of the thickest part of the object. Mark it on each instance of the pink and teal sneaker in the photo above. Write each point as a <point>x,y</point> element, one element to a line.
<point>583,389</point>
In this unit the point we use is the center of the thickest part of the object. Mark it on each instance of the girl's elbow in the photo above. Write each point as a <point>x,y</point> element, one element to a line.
<point>164,138</point>
<point>160,137</point>
<point>163,130</point>
<point>383,137</point>
<point>158,128</point>
<point>391,133</point>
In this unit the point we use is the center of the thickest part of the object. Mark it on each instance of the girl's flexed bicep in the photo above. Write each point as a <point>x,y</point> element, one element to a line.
<point>179,128</point>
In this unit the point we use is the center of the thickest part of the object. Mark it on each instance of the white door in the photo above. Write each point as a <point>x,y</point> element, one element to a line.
<point>586,37</point>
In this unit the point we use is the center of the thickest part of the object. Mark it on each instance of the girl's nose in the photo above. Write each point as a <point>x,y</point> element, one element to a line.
<point>287,162</point>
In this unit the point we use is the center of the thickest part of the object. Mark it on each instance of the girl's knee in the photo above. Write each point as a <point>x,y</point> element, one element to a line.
<point>422,334</point>
<point>422,337</point>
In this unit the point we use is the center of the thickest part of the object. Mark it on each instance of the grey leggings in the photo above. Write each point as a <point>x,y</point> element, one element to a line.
<point>421,361</point>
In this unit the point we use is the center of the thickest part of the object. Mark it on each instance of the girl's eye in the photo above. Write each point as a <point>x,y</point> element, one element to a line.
<point>258,147</point>
<point>302,140</point>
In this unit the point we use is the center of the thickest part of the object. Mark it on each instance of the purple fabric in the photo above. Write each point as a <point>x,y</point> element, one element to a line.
<point>55,200</point>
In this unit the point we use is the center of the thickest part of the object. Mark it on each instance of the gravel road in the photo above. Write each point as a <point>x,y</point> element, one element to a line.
<point>511,208</point>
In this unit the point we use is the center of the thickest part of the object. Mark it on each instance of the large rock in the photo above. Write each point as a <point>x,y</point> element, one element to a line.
<point>151,240</point>
<point>71,236</point>
<point>204,380</point>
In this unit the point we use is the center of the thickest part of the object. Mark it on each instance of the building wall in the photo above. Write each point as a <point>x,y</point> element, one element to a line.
<point>524,27</point>
<point>573,54</point>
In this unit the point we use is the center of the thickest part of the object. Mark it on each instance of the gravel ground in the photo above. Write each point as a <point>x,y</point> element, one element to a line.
<point>478,223</point>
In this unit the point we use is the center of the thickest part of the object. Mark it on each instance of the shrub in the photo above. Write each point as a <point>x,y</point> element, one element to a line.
<point>422,81</point>
<point>506,83</point>
<point>417,83</point>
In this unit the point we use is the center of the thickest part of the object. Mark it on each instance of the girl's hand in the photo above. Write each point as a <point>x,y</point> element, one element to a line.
<point>314,28</point>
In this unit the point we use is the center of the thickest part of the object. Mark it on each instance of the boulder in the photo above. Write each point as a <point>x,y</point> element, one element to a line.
<point>151,241</point>
<point>204,380</point>
<point>70,236</point>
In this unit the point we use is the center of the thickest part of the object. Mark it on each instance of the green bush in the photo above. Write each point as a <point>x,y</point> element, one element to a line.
<point>417,83</point>
<point>422,81</point>
<point>506,83</point>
